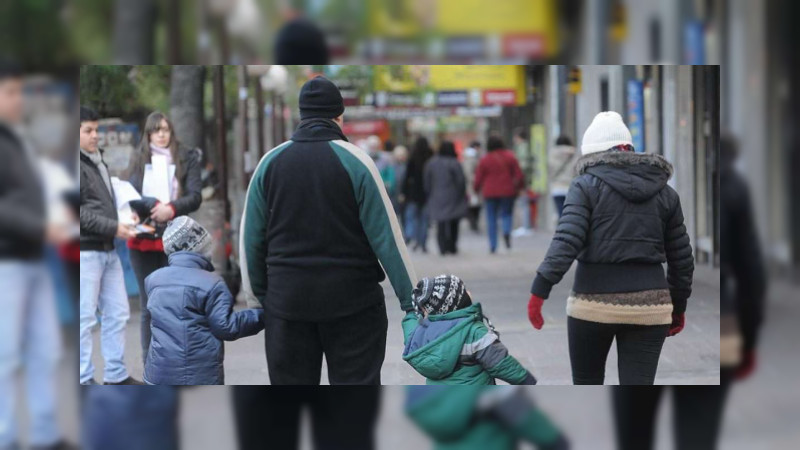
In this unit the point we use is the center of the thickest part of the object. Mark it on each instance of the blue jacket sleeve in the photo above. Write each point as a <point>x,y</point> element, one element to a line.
<point>226,324</point>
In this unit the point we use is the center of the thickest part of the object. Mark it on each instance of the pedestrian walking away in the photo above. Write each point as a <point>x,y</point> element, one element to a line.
<point>560,169</point>
<point>621,221</point>
<point>413,189</point>
<point>192,312</point>
<point>445,188</point>
<point>317,233</point>
<point>499,179</point>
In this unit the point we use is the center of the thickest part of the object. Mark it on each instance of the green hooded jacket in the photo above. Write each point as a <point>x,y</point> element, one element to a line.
<point>458,348</point>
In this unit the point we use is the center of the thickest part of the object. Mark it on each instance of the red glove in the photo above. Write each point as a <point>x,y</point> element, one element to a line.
<point>747,366</point>
<point>535,311</point>
<point>678,321</point>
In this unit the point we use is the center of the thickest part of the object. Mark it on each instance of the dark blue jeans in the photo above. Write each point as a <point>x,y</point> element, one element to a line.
<point>503,206</point>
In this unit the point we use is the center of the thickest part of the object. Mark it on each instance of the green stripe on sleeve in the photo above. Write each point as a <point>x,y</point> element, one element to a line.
<point>378,220</point>
<point>253,245</point>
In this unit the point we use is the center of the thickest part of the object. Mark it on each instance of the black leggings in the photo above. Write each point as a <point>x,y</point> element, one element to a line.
<point>638,350</point>
<point>447,234</point>
<point>342,418</point>
<point>697,413</point>
<point>143,264</point>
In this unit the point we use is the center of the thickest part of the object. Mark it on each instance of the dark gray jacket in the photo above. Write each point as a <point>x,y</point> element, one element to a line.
<point>22,209</point>
<point>622,222</point>
<point>446,189</point>
<point>98,209</point>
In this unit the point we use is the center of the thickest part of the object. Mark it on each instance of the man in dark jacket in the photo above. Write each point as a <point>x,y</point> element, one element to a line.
<point>102,282</point>
<point>317,233</point>
<point>30,337</point>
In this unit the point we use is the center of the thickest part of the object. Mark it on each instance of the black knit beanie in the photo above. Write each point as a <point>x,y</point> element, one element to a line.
<point>320,98</point>
<point>440,295</point>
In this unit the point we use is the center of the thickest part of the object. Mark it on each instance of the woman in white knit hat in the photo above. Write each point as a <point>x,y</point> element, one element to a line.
<point>621,221</point>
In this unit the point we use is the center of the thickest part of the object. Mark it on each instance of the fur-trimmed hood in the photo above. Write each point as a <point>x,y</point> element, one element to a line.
<point>636,176</point>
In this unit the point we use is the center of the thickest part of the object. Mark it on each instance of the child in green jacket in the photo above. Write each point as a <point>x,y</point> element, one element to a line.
<point>448,340</point>
<point>481,418</point>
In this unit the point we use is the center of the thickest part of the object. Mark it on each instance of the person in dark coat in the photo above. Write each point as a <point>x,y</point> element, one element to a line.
<point>413,189</point>
<point>621,221</point>
<point>446,190</point>
<point>192,312</point>
<point>499,179</point>
<point>317,237</point>
<point>146,250</point>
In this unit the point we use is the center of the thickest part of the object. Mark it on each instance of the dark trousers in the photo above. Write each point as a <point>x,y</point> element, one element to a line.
<point>343,418</point>
<point>354,348</point>
<point>143,264</point>
<point>638,350</point>
<point>697,411</point>
<point>447,235</point>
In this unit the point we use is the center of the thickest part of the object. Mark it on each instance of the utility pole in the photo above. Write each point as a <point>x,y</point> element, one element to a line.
<point>221,144</point>
<point>259,119</point>
<point>241,75</point>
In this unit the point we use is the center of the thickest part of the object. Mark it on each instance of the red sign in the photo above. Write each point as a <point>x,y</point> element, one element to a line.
<point>365,127</point>
<point>500,97</point>
<point>524,46</point>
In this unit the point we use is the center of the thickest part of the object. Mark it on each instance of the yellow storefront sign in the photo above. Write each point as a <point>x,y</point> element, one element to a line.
<point>451,78</point>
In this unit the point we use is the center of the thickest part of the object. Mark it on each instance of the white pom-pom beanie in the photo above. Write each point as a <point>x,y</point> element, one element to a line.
<point>606,130</point>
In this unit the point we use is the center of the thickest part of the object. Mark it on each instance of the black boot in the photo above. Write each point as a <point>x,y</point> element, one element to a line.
<point>507,238</point>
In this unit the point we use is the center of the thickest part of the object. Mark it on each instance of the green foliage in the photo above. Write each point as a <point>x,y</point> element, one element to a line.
<point>127,92</point>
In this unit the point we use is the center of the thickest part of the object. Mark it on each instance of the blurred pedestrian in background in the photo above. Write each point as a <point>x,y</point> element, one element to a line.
<point>469,163</point>
<point>383,161</point>
<point>185,184</point>
<point>499,179</point>
<point>341,418</point>
<point>560,165</point>
<point>30,338</point>
<point>522,150</point>
<point>414,193</point>
<point>481,418</point>
<point>399,164</point>
<point>102,280</point>
<point>622,222</point>
<point>446,189</point>
<point>743,276</point>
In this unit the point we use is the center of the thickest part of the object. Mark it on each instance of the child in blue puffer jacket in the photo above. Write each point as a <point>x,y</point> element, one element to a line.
<point>192,312</point>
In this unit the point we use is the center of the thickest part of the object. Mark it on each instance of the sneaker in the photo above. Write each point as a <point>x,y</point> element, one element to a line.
<point>89,383</point>
<point>130,381</point>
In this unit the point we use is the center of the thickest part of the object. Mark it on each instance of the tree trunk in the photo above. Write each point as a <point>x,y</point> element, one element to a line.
<point>186,100</point>
<point>134,31</point>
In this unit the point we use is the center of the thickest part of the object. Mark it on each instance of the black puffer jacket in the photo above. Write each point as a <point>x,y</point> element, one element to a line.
<point>621,221</point>
<point>22,209</point>
<point>98,209</point>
